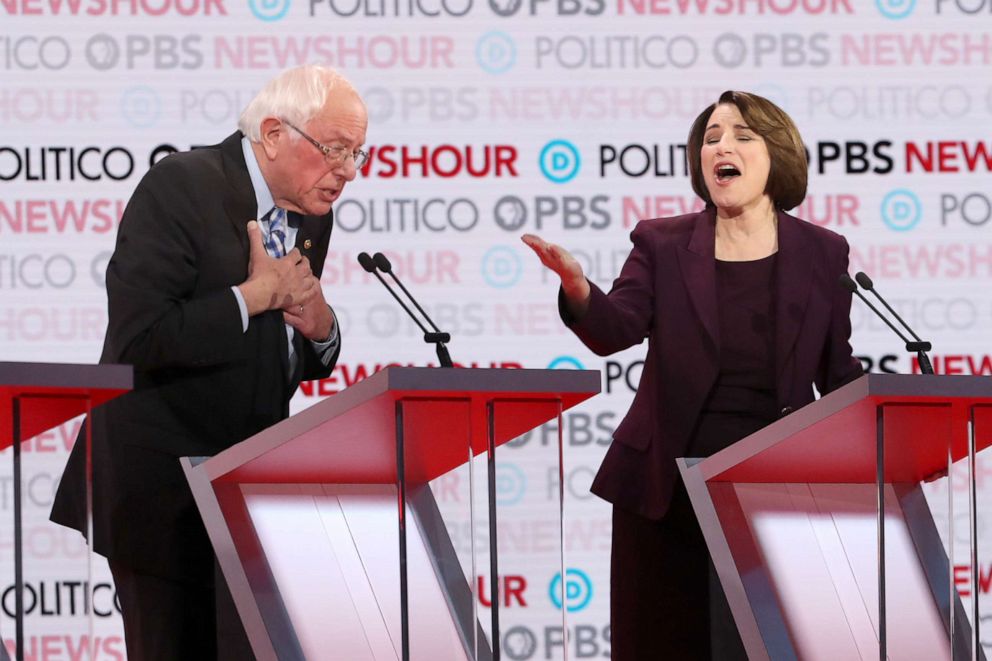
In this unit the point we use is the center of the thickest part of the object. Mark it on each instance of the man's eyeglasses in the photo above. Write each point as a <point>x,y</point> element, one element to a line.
<point>335,155</point>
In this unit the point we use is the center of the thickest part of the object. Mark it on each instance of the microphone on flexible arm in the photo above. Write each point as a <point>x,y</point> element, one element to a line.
<point>919,346</point>
<point>437,338</point>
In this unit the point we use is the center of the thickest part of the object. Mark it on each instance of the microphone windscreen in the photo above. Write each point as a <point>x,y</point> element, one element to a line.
<point>847,283</point>
<point>382,262</point>
<point>366,262</point>
<point>864,280</point>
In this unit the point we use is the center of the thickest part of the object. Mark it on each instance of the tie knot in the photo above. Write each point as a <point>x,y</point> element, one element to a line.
<point>277,217</point>
<point>275,240</point>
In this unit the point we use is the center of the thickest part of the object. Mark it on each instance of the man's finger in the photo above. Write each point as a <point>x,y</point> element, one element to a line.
<point>256,248</point>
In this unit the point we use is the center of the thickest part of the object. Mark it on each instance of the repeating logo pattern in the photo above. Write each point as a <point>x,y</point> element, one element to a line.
<point>489,119</point>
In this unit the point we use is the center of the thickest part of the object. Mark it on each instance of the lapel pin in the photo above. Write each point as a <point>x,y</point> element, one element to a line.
<point>307,243</point>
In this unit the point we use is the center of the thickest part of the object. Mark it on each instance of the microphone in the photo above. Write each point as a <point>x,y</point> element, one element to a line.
<point>437,338</point>
<point>919,346</point>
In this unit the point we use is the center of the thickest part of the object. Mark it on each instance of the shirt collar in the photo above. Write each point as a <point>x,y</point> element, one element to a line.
<point>263,197</point>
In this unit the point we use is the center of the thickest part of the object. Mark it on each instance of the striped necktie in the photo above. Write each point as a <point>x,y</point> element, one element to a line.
<point>275,238</point>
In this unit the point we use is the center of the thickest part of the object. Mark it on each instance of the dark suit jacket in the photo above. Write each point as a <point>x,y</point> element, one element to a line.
<point>666,292</point>
<point>201,383</point>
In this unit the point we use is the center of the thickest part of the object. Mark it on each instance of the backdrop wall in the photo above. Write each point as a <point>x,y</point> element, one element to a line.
<point>488,119</point>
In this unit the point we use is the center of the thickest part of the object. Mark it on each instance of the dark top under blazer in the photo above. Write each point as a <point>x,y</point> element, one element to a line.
<point>201,384</point>
<point>666,292</point>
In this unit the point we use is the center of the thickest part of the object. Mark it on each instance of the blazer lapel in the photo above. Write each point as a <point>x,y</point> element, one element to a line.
<point>305,233</point>
<point>697,263</point>
<point>240,207</point>
<point>239,198</point>
<point>793,278</point>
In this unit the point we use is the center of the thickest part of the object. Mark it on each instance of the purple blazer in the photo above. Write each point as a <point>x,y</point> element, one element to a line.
<point>666,292</point>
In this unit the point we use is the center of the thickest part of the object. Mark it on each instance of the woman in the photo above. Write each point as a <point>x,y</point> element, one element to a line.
<point>743,314</point>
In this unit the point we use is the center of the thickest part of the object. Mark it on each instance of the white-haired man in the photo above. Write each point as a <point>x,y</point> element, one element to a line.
<point>222,316</point>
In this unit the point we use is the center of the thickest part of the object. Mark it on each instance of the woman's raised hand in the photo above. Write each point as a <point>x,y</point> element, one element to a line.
<point>559,260</point>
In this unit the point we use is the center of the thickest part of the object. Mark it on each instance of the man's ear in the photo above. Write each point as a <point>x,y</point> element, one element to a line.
<point>271,130</point>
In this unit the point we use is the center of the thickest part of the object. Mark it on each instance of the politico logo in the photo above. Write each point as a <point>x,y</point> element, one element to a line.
<point>64,598</point>
<point>62,163</point>
<point>926,313</point>
<point>637,160</point>
<point>970,7</point>
<point>575,483</point>
<point>406,215</point>
<point>887,103</point>
<point>623,376</point>
<point>373,9</point>
<point>600,265</point>
<point>615,51</point>
<point>970,210</point>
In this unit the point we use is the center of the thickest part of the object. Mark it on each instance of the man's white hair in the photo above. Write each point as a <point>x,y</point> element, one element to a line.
<point>295,95</point>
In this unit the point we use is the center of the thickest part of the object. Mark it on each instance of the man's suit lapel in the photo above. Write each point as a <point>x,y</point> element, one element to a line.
<point>239,198</point>
<point>697,262</point>
<point>306,233</point>
<point>793,278</point>
<point>240,205</point>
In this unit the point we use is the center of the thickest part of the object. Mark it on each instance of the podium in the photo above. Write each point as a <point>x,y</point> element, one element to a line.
<point>327,530</point>
<point>35,397</point>
<point>820,530</point>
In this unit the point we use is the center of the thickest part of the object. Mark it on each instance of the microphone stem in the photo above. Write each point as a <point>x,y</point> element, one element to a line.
<point>415,303</point>
<point>882,316</point>
<point>400,301</point>
<point>443,357</point>
<point>896,315</point>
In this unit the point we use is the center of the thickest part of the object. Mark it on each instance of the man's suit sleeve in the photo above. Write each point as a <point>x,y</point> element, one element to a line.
<point>154,320</point>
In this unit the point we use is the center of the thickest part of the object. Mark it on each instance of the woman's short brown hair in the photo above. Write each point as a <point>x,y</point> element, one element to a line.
<point>787,177</point>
